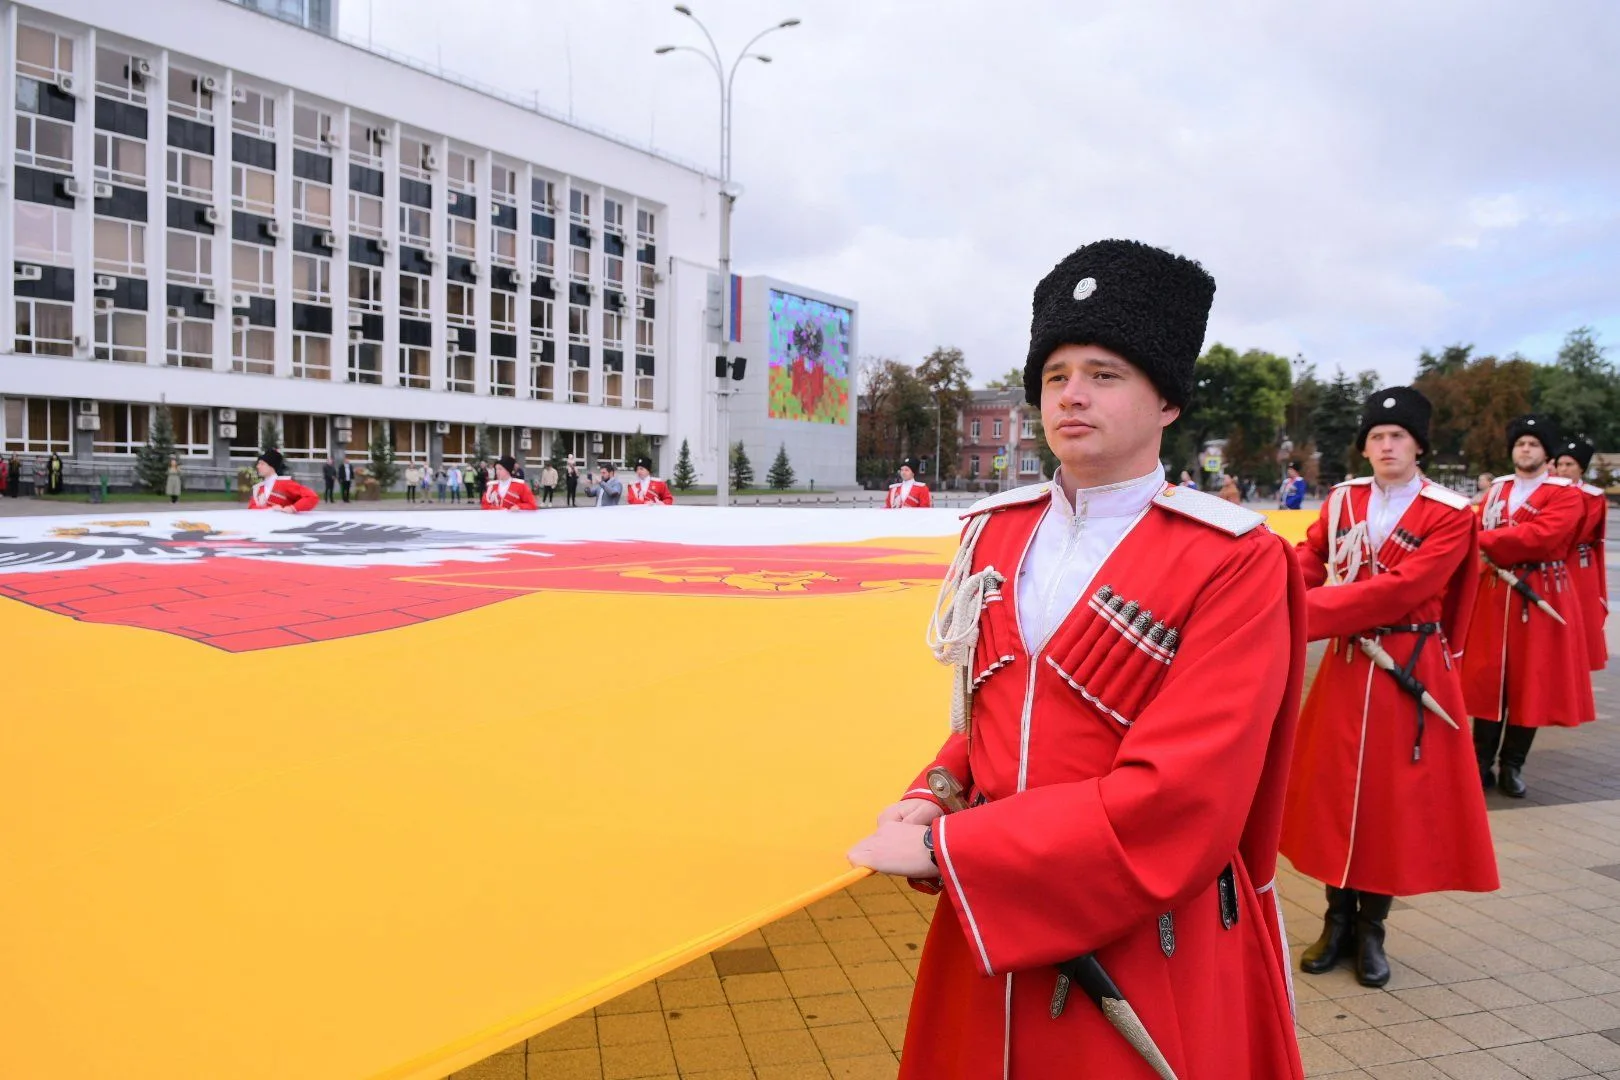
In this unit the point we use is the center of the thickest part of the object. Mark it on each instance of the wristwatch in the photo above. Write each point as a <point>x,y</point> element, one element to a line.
<point>928,842</point>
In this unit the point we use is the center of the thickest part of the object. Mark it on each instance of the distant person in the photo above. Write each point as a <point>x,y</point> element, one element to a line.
<point>648,490</point>
<point>171,481</point>
<point>441,480</point>
<point>329,478</point>
<point>345,478</point>
<point>548,483</point>
<point>506,491</point>
<point>909,493</point>
<point>413,477</point>
<point>276,491</point>
<point>609,490</point>
<point>1187,481</point>
<point>1485,481</point>
<point>1293,490</point>
<point>571,480</point>
<point>5,477</point>
<point>452,482</point>
<point>53,474</point>
<point>1229,490</point>
<point>482,477</point>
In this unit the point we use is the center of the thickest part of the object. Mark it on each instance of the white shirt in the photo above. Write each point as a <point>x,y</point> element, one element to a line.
<point>1522,489</point>
<point>262,490</point>
<point>1386,505</point>
<point>1070,545</point>
<point>905,490</point>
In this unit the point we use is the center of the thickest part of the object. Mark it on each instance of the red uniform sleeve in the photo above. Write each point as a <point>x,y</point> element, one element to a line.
<point>953,756</point>
<point>1546,537</point>
<point>664,495</point>
<point>525,497</point>
<point>1061,870</point>
<point>1385,597</point>
<point>303,499</point>
<point>1311,552</point>
<point>1597,533</point>
<point>924,496</point>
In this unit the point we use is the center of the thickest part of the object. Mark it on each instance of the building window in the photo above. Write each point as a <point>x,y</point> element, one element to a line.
<point>410,440</point>
<point>304,437</point>
<point>646,279</point>
<point>44,327</point>
<point>579,207</point>
<point>253,269</point>
<point>123,428</point>
<point>253,350</point>
<point>413,296</point>
<point>579,385</point>
<point>463,237</point>
<point>253,190</point>
<point>189,343</point>
<point>579,330</point>
<point>543,195</point>
<point>459,444</point>
<point>542,377</point>
<point>190,176</point>
<point>365,215</point>
<point>613,272</point>
<point>365,287</point>
<point>312,279</point>
<point>312,356</point>
<point>540,318</point>
<point>542,255</point>
<point>646,226</point>
<point>191,257</point>
<point>995,429</point>
<point>460,377</point>
<point>503,246</point>
<point>38,426</point>
<point>245,443</point>
<point>121,336</point>
<point>365,362</point>
<point>1029,464</point>
<point>193,435</point>
<point>580,265</point>
<point>503,311</point>
<point>42,54</point>
<point>187,97</point>
<point>644,391</point>
<point>415,368</point>
<point>503,376</point>
<point>612,330</point>
<point>415,225</point>
<point>1028,428</point>
<point>613,388</point>
<point>463,171</point>
<point>613,217</point>
<point>254,114</point>
<point>120,160</point>
<point>43,233</point>
<point>502,184</point>
<point>365,148</point>
<point>413,159</point>
<point>42,142</point>
<point>458,304</point>
<point>312,202</point>
<point>973,466</point>
<point>117,76</point>
<point>973,431</point>
<point>310,127</point>
<point>644,336</point>
<point>120,247</point>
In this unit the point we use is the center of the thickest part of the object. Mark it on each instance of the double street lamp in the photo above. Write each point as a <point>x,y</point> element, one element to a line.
<point>728,196</point>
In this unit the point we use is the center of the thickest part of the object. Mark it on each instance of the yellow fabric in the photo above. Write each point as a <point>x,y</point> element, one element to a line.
<point>391,855</point>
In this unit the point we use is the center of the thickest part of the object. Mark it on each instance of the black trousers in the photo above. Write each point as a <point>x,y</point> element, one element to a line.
<point>345,486</point>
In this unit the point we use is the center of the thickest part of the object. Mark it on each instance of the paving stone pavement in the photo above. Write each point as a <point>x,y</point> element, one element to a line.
<point>1522,982</point>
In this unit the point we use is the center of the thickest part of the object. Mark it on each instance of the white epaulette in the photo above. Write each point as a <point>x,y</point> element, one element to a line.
<point>1010,497</point>
<point>1445,496</point>
<point>1216,512</point>
<point>1593,489</point>
<point>1355,481</point>
<point>1559,481</point>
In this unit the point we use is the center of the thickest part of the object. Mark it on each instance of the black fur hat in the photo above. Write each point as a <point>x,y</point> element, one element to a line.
<point>1140,301</point>
<point>1397,405</point>
<point>1542,427</point>
<point>272,457</point>
<point>1580,450</point>
<point>507,462</point>
<point>913,464</point>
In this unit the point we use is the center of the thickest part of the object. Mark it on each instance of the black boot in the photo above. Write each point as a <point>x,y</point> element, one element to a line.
<point>1338,938</point>
<point>1372,966</point>
<point>1487,734</point>
<point>1515,748</point>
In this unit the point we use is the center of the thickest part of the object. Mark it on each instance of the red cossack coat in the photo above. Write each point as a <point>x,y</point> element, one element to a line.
<point>285,491</point>
<point>1592,576</point>
<point>1370,806</point>
<point>918,496</point>
<point>657,493</point>
<point>1121,778</point>
<point>517,497</point>
<point>1520,664</point>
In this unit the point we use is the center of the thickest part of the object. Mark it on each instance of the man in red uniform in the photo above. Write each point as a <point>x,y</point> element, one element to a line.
<point>1121,733</point>
<point>1525,666</point>
<point>506,492</point>
<point>1590,574</point>
<point>277,492</point>
<point>1383,797</point>
<point>909,492</point>
<point>647,489</point>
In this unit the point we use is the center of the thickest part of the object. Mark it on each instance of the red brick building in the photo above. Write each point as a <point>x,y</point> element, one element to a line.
<point>999,423</point>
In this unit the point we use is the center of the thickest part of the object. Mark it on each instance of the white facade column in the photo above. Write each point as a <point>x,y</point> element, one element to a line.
<point>84,207</point>
<point>157,211</point>
<point>282,253</point>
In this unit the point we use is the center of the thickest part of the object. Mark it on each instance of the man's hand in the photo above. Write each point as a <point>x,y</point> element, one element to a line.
<point>896,848</point>
<point>911,811</point>
<point>285,509</point>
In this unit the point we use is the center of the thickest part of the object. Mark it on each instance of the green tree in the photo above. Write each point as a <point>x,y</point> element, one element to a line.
<point>382,466</point>
<point>636,447</point>
<point>780,476</point>
<point>1242,398</point>
<point>1013,380</point>
<point>1581,390</point>
<point>269,433</point>
<point>945,373</point>
<point>894,418</point>
<point>152,462</point>
<point>685,475</point>
<point>1335,419</point>
<point>483,445</point>
<point>742,470</point>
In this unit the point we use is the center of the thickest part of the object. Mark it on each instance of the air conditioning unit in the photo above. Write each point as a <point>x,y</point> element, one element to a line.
<point>102,189</point>
<point>431,258</point>
<point>357,318</point>
<point>89,423</point>
<point>106,283</point>
<point>658,277</point>
<point>140,67</point>
<point>175,312</point>
<point>238,96</point>
<point>272,229</point>
<point>441,427</point>
<point>227,431</point>
<point>210,215</point>
<point>239,322</point>
<point>430,160</point>
<point>342,423</point>
<point>385,246</point>
<point>207,84</point>
<point>327,240</point>
<point>596,442</point>
<point>475,271</point>
<point>72,188</point>
<point>453,348</point>
<point>590,290</point>
<point>89,408</point>
<point>356,335</point>
<point>227,416</point>
<point>80,341</point>
<point>26,272</point>
<point>519,278</point>
<point>380,136</point>
<point>526,442</point>
<point>211,298</point>
<point>67,84</point>
<point>331,138</point>
<point>104,303</point>
<point>239,300</point>
<point>453,199</point>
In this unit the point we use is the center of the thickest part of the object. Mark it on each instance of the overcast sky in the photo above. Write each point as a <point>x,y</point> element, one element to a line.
<point>1363,179</point>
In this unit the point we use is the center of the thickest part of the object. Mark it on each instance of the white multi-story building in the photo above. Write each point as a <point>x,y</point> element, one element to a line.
<point>245,220</point>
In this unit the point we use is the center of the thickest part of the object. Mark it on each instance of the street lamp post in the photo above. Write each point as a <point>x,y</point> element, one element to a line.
<point>938,420</point>
<point>728,196</point>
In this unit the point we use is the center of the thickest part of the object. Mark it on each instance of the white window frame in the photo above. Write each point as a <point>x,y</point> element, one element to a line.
<point>503,246</point>
<point>255,114</point>
<point>973,430</point>
<point>178,161</point>
<point>107,346</point>
<point>579,385</point>
<point>407,378</point>
<point>61,49</point>
<point>542,318</point>
<point>543,195</point>
<point>191,101</point>
<point>133,264</point>
<point>187,421</point>
<point>579,325</point>
<point>642,386</point>
<point>175,353</point>
<point>612,216</point>
<point>503,311</point>
<point>32,124</point>
<point>646,279</point>
<point>413,154</point>
<point>30,341</point>
<point>461,372</point>
<point>468,314</point>
<point>202,244</point>
<point>462,237</point>
<point>357,225</point>
<point>364,149</point>
<point>422,286</point>
<point>320,292</point>
<point>357,372</point>
<point>301,212</point>
<point>646,226</point>
<point>1029,464</point>
<point>579,207</point>
<point>543,255</point>
<point>503,184</point>
<point>116,414</point>
<point>542,376</point>
<point>262,339</point>
<point>613,272</point>
<point>323,125</point>
<point>370,296</point>
<point>499,386</point>
<point>306,437</point>
<point>59,220</point>
<point>124,88</point>
<point>1027,428</point>
<point>106,144</point>
<point>996,428</point>
<point>415,226</point>
<point>574,271</point>
<point>240,175</point>
<point>305,345</point>
<point>21,438</point>
<point>646,336</point>
<point>461,171</point>
<point>261,278</point>
<point>414,447</point>
<point>612,330</point>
